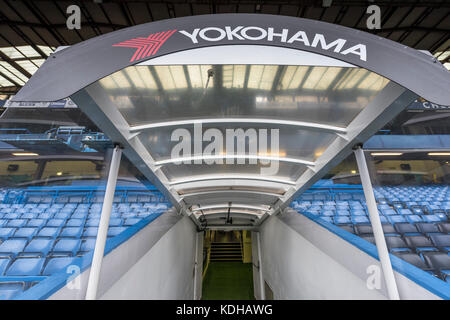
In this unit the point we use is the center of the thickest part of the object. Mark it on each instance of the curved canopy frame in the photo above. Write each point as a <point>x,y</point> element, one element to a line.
<point>334,89</point>
<point>100,56</point>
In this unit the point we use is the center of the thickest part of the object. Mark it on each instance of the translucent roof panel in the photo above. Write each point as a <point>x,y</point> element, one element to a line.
<point>294,143</point>
<point>281,170</point>
<point>152,94</point>
<point>214,136</point>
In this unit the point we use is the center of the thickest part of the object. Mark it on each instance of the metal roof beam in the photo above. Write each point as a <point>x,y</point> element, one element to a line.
<point>298,124</point>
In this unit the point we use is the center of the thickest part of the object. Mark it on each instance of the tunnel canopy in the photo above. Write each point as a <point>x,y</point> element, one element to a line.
<point>233,116</point>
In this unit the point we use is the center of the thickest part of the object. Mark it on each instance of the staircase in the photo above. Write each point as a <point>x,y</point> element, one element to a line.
<point>226,251</point>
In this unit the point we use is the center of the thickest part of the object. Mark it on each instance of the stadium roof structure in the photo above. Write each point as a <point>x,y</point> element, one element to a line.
<point>31,30</point>
<point>171,92</point>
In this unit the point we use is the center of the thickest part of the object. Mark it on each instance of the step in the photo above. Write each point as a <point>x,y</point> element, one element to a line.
<point>225,243</point>
<point>222,253</point>
<point>227,259</point>
<point>219,247</point>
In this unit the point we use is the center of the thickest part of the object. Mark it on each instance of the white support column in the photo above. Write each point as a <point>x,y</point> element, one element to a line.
<point>195,266</point>
<point>102,233</point>
<point>375,221</point>
<point>261,278</point>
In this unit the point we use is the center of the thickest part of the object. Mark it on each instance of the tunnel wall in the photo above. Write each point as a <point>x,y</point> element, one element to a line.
<point>303,260</point>
<point>155,263</point>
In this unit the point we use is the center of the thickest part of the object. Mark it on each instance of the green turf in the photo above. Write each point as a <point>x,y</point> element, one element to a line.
<point>228,281</point>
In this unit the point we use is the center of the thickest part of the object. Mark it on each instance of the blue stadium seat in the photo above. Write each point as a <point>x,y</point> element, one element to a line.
<point>71,232</point>
<point>342,212</point>
<point>87,245</point>
<point>413,259</point>
<point>442,241</point>
<point>326,213</point>
<point>404,211</point>
<point>369,238</point>
<point>342,220</point>
<point>427,228</point>
<point>417,210</point>
<point>431,218</point>
<point>358,212</point>
<point>406,228</point>
<point>79,215</point>
<point>26,267</point>
<point>130,215</point>
<point>58,264</point>
<point>26,233</point>
<point>438,261</point>
<point>327,219</point>
<point>360,220</point>
<point>90,232</point>
<point>94,222</point>
<point>75,223</point>
<point>12,247</point>
<point>9,290</point>
<point>444,227</point>
<point>384,220</point>
<point>388,212</point>
<point>5,233</point>
<point>45,215</point>
<point>56,223</point>
<point>412,218</point>
<point>11,216</point>
<point>115,222</point>
<point>419,243</point>
<point>396,244</point>
<point>39,246</point>
<point>17,223</point>
<point>348,228</point>
<point>114,231</point>
<point>48,232</point>
<point>397,219</point>
<point>4,262</point>
<point>131,221</point>
<point>62,215</point>
<point>37,223</point>
<point>29,215</point>
<point>67,246</point>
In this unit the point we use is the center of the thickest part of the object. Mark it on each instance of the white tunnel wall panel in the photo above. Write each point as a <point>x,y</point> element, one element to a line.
<point>165,272</point>
<point>309,262</point>
<point>157,261</point>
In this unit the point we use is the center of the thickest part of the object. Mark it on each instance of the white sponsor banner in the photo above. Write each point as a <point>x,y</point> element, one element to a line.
<point>64,103</point>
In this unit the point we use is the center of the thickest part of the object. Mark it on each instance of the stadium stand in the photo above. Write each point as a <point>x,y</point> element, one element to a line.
<point>415,220</point>
<point>44,230</point>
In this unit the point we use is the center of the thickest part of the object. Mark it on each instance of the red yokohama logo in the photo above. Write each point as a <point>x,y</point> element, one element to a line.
<point>146,46</point>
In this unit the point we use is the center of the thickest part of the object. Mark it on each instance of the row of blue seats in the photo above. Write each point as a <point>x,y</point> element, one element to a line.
<point>11,289</point>
<point>418,207</point>
<point>57,232</point>
<point>363,219</point>
<point>84,205</point>
<point>399,240</point>
<point>61,221</point>
<point>421,228</point>
<point>35,266</point>
<point>94,199</point>
<point>416,243</point>
<point>41,235</point>
<point>435,263</point>
<point>74,215</point>
<point>41,247</point>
